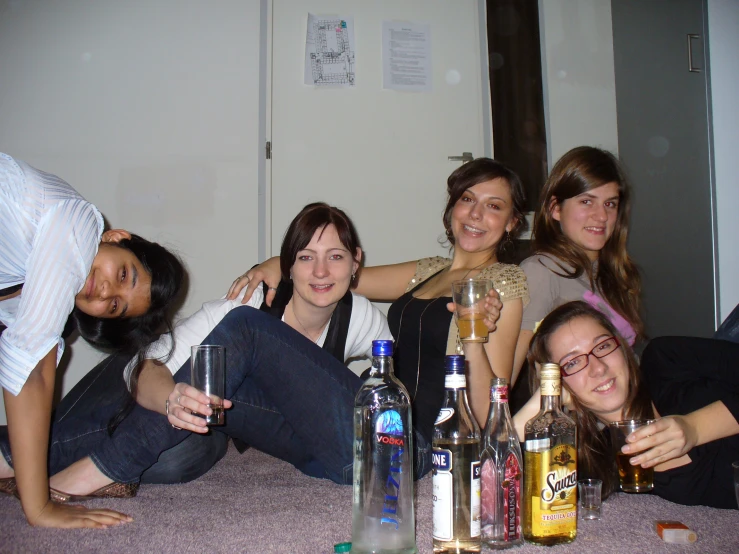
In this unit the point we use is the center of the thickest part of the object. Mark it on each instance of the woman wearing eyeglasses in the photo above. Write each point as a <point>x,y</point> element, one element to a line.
<point>579,244</point>
<point>691,385</point>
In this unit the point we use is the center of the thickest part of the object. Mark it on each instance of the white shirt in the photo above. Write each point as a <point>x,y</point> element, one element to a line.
<point>49,236</point>
<point>367,323</point>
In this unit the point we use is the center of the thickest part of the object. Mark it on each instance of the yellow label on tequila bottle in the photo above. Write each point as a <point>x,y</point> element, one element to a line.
<point>554,511</point>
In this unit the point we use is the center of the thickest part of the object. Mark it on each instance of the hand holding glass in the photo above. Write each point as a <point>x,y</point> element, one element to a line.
<point>208,364</point>
<point>469,300</point>
<point>632,478</point>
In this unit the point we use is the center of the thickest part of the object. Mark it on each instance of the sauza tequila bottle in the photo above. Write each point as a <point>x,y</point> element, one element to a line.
<point>501,475</point>
<point>456,477</point>
<point>550,468</point>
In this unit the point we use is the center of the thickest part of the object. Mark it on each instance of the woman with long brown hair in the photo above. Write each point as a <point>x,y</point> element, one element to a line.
<point>579,246</point>
<point>690,384</point>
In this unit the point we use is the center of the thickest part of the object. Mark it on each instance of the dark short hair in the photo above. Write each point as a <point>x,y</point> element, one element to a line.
<point>311,218</point>
<point>482,170</point>
<point>132,334</point>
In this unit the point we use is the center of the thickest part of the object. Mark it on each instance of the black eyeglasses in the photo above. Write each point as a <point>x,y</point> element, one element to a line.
<point>600,350</point>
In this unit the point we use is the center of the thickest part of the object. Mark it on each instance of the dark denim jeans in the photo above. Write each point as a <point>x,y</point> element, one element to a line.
<point>80,423</point>
<point>292,400</point>
<point>729,329</point>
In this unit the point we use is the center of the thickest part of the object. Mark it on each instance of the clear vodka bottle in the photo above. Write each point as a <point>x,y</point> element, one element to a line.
<point>383,519</point>
<point>456,475</point>
<point>502,474</point>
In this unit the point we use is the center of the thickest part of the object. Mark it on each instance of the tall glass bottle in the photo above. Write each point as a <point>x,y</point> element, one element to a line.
<point>456,475</point>
<point>501,475</point>
<point>550,468</point>
<point>383,518</point>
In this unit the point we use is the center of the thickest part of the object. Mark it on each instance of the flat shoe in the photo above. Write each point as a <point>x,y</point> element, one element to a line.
<point>8,486</point>
<point>113,490</point>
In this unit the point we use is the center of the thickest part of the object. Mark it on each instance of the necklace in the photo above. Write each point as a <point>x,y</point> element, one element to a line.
<point>486,260</point>
<point>307,334</point>
<point>420,330</point>
<point>420,322</point>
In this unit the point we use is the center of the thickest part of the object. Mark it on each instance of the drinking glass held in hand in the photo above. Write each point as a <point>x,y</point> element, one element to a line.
<point>632,478</point>
<point>208,364</point>
<point>469,300</point>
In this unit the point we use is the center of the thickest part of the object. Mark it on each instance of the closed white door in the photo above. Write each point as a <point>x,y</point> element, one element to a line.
<point>382,155</point>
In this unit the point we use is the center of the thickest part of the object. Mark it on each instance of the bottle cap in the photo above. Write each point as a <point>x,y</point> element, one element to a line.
<point>550,379</point>
<point>454,363</point>
<point>550,371</point>
<point>382,348</point>
<point>499,390</point>
<point>343,547</point>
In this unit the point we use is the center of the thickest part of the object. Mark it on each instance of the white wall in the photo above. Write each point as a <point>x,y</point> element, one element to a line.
<point>150,110</point>
<point>723,43</point>
<point>579,79</point>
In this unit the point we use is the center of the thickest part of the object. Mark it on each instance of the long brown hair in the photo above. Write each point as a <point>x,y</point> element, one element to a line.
<point>594,456</point>
<point>580,170</point>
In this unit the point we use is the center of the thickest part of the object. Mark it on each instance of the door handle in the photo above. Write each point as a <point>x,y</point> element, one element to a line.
<point>464,158</point>
<point>690,54</point>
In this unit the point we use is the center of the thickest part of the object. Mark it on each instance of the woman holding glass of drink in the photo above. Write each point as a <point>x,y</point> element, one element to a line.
<point>484,210</point>
<point>321,254</point>
<point>689,386</point>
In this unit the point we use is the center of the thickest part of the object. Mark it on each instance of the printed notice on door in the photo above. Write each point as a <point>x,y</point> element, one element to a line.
<point>329,51</point>
<point>406,56</point>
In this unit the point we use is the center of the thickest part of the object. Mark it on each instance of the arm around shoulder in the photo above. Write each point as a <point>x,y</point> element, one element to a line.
<point>385,283</point>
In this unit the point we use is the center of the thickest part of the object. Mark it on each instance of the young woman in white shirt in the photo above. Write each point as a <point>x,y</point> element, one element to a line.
<point>55,260</point>
<point>321,255</point>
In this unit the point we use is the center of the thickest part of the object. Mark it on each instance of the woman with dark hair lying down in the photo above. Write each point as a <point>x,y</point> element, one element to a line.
<point>690,384</point>
<point>56,259</point>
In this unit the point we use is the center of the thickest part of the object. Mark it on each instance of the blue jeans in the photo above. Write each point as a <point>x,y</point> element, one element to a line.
<point>80,423</point>
<point>292,400</point>
<point>729,329</point>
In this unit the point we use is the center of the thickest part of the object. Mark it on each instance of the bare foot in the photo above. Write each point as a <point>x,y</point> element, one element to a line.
<point>81,478</point>
<point>5,469</point>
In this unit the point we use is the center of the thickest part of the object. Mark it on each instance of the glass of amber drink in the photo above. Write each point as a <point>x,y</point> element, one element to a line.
<point>469,299</point>
<point>632,478</point>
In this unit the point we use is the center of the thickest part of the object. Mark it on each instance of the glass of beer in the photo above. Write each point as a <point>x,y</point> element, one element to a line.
<point>469,299</point>
<point>207,365</point>
<point>632,478</point>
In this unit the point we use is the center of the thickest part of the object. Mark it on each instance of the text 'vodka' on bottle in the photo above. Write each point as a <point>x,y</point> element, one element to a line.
<point>550,468</point>
<point>456,474</point>
<point>383,519</point>
<point>501,477</point>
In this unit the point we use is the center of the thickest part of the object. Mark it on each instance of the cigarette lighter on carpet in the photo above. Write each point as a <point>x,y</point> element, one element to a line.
<point>675,532</point>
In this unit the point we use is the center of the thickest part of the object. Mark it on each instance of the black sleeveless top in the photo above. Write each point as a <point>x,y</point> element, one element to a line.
<point>421,325</point>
